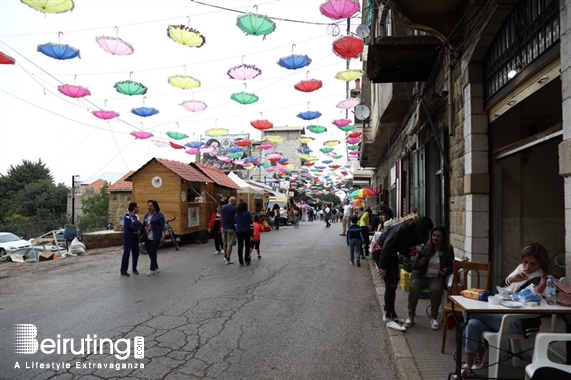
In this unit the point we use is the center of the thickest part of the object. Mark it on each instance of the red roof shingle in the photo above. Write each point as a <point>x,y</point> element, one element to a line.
<point>122,184</point>
<point>216,175</point>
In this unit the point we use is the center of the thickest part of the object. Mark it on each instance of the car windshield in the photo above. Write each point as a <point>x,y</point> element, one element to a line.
<point>5,238</point>
<point>280,204</point>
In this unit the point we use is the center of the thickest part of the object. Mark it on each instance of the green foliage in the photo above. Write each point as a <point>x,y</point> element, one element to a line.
<point>95,210</point>
<point>328,198</point>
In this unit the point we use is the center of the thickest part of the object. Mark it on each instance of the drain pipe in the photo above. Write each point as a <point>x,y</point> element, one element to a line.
<point>446,171</point>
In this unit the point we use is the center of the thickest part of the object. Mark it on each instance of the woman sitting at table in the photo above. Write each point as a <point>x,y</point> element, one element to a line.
<point>534,264</point>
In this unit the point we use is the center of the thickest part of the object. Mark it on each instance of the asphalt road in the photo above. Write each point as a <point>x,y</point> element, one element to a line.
<point>301,312</point>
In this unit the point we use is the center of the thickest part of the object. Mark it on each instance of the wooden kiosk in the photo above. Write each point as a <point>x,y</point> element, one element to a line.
<point>189,192</point>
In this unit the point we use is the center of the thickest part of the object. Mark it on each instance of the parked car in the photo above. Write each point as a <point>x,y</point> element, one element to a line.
<point>10,242</point>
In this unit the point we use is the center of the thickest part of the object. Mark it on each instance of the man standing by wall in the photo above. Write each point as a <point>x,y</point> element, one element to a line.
<point>228,230</point>
<point>386,209</point>
<point>131,232</point>
<point>347,212</point>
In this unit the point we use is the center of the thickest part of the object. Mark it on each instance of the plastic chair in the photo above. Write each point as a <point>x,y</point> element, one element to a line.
<point>540,358</point>
<point>476,270</point>
<point>495,338</point>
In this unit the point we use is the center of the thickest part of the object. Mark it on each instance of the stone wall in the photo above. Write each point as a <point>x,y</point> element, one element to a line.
<point>118,205</point>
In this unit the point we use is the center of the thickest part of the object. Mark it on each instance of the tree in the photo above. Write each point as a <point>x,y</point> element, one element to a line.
<point>95,209</point>
<point>329,198</point>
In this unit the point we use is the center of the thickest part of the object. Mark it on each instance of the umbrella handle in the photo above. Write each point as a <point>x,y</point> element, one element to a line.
<point>256,8</point>
<point>188,24</point>
<point>116,31</point>
<point>292,46</point>
<point>58,37</point>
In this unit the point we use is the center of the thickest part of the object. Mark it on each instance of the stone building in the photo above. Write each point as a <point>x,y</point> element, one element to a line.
<point>119,199</point>
<point>471,121</point>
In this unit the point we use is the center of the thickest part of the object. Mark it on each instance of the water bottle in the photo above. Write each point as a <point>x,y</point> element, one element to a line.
<point>550,291</point>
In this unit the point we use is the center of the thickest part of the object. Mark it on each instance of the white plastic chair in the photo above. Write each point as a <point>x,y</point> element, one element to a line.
<point>495,338</point>
<point>540,358</point>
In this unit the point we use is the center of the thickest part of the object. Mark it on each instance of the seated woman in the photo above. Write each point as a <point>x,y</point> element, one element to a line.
<point>430,268</point>
<point>534,264</point>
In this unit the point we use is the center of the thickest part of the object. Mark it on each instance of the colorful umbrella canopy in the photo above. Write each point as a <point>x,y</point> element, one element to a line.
<point>255,24</point>
<point>224,158</point>
<point>305,139</point>
<point>144,111</point>
<point>348,103</point>
<point>353,140</point>
<point>141,135</point>
<point>242,143</point>
<point>339,9</point>
<point>129,87</point>
<point>58,51</point>
<point>159,143</point>
<point>185,36</point>
<point>309,115</point>
<point>353,147</point>
<point>194,105</point>
<point>275,139</point>
<point>363,193</point>
<point>214,132</point>
<point>176,146</point>
<point>244,72</point>
<point>349,75</point>
<point>5,59</point>
<point>309,85</point>
<point>194,144</point>
<point>355,134</point>
<point>326,149</point>
<point>348,47</point>
<point>317,128</point>
<point>354,153</point>
<point>266,145</point>
<point>50,6</point>
<point>294,62</point>
<point>176,135</point>
<point>105,115</point>
<point>304,150</point>
<point>73,91</point>
<point>115,45</point>
<point>347,128</point>
<point>341,122</point>
<point>244,97</point>
<point>184,82</point>
<point>192,151</point>
<point>261,125</point>
<point>332,142</point>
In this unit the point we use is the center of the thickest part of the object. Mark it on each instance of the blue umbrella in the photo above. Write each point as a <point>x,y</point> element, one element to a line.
<point>303,150</point>
<point>58,51</point>
<point>145,111</point>
<point>194,144</point>
<point>309,115</point>
<point>327,161</point>
<point>234,149</point>
<point>294,61</point>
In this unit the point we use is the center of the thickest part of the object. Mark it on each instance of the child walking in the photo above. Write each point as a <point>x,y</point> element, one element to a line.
<point>255,240</point>
<point>355,240</point>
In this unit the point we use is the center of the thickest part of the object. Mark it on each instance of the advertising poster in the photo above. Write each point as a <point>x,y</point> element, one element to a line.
<point>193,216</point>
<point>222,148</point>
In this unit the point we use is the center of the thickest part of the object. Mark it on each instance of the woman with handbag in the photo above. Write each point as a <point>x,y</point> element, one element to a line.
<point>154,224</point>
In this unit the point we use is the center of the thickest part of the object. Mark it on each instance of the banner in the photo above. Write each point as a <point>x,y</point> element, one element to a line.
<point>222,149</point>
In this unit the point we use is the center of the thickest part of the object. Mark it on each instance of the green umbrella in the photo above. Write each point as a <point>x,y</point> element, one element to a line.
<point>235,155</point>
<point>128,87</point>
<point>244,98</point>
<point>256,24</point>
<point>317,129</point>
<point>326,149</point>
<point>353,147</point>
<point>347,128</point>
<point>337,156</point>
<point>176,135</point>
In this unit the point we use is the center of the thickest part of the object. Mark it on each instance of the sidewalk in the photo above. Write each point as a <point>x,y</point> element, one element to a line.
<point>416,352</point>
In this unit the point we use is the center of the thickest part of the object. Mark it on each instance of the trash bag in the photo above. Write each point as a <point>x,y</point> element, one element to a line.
<point>77,247</point>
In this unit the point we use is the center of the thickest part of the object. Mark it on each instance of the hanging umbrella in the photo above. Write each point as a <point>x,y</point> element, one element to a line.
<point>242,143</point>
<point>327,162</point>
<point>354,153</point>
<point>337,156</point>
<point>129,87</point>
<point>224,158</point>
<point>176,146</point>
<point>244,72</point>
<point>215,132</point>
<point>305,139</point>
<point>184,82</point>
<point>194,144</point>
<point>256,24</point>
<point>341,122</point>
<point>58,51</point>
<point>349,75</point>
<point>235,155</point>
<point>185,36</point>
<point>235,149</point>
<point>115,45</point>
<point>159,143</point>
<point>73,91</point>
<point>354,135</point>
<point>317,128</point>
<point>105,115</point>
<point>353,140</point>
<point>266,145</point>
<point>348,103</point>
<point>326,149</point>
<point>5,59</point>
<point>294,62</point>
<point>193,105</point>
<point>141,135</point>
<point>47,6</point>
<point>176,135</point>
<point>304,150</point>
<point>335,166</point>
<point>192,151</point>
<point>348,47</point>
<point>332,142</point>
<point>244,98</point>
<point>347,128</point>
<point>275,139</point>
<point>353,147</point>
<point>144,111</point>
<point>261,125</point>
<point>309,85</point>
<point>363,193</point>
<point>309,115</point>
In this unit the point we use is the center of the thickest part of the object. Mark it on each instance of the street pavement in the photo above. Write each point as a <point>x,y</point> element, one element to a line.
<point>301,312</point>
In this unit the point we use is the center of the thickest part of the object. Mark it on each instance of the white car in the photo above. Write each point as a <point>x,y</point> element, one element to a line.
<point>10,242</point>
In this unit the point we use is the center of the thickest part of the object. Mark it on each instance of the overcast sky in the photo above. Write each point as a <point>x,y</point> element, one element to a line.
<point>36,121</point>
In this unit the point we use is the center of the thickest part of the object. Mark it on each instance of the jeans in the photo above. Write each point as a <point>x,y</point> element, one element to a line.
<point>480,322</point>
<point>355,249</point>
<point>391,282</point>
<point>218,244</point>
<point>296,221</point>
<point>243,242</point>
<point>277,222</point>
<point>152,249</point>
<point>434,285</point>
<point>365,231</point>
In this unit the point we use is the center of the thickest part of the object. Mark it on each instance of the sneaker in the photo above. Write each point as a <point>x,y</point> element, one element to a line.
<point>358,262</point>
<point>385,320</point>
<point>259,257</point>
<point>434,324</point>
<point>241,264</point>
<point>229,262</point>
<point>216,252</point>
<point>350,262</point>
<point>136,272</point>
<point>125,274</point>
<point>465,372</point>
<point>247,262</point>
<point>395,326</point>
<point>400,321</point>
<point>408,322</point>
<point>151,273</point>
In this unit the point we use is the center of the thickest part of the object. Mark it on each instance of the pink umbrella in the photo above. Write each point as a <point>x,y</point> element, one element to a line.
<point>114,45</point>
<point>355,140</point>
<point>224,158</point>
<point>348,103</point>
<point>206,149</point>
<point>339,9</point>
<point>141,135</point>
<point>341,122</point>
<point>73,91</point>
<point>160,144</point>
<point>194,105</point>
<point>105,115</point>
<point>192,151</point>
<point>354,153</point>
<point>266,145</point>
<point>244,72</point>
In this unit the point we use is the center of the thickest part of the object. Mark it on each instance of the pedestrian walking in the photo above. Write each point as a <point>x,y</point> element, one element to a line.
<point>364,222</point>
<point>296,216</point>
<point>215,229</point>
<point>327,216</point>
<point>347,213</point>
<point>276,211</point>
<point>131,233</point>
<point>227,214</point>
<point>244,229</point>
<point>355,241</point>
<point>154,224</point>
<point>256,237</point>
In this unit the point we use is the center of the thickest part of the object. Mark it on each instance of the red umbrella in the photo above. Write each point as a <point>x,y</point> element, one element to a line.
<point>348,47</point>
<point>355,135</point>
<point>261,125</point>
<point>176,146</point>
<point>242,143</point>
<point>309,85</point>
<point>5,59</point>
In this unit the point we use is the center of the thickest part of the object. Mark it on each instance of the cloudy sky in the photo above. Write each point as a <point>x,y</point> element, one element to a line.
<point>36,121</point>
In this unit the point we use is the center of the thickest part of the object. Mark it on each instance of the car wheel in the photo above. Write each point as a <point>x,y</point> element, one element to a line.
<point>2,252</point>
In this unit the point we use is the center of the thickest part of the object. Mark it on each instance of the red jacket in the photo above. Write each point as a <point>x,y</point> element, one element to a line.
<point>257,228</point>
<point>211,223</point>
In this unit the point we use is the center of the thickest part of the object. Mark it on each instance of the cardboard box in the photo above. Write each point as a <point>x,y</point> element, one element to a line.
<point>17,258</point>
<point>46,255</point>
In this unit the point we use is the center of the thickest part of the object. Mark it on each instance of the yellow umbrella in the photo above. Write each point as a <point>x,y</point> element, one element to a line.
<point>332,142</point>
<point>275,139</point>
<point>349,75</point>
<point>60,6</point>
<point>215,132</point>
<point>305,139</point>
<point>184,82</point>
<point>186,36</point>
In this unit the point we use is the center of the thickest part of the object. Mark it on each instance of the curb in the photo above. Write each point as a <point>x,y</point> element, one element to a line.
<point>401,355</point>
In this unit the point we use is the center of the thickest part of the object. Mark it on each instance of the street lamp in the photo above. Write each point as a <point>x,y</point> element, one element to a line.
<point>74,179</point>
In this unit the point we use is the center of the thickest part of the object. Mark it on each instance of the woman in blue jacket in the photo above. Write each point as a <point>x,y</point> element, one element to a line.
<point>244,225</point>
<point>154,224</point>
